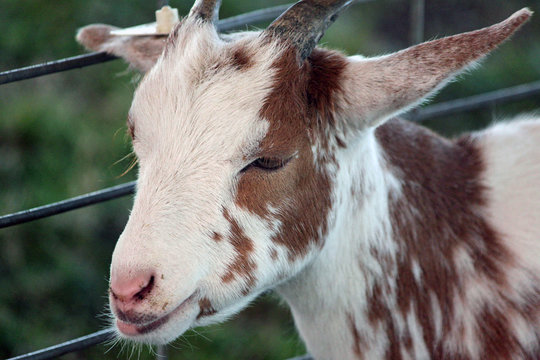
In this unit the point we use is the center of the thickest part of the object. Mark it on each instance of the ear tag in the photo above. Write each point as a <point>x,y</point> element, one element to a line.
<point>166,18</point>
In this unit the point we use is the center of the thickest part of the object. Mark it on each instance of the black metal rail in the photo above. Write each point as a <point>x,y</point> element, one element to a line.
<point>67,205</point>
<point>476,102</point>
<point>68,346</point>
<point>51,67</point>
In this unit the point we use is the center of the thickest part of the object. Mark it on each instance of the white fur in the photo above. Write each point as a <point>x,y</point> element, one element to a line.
<point>512,155</point>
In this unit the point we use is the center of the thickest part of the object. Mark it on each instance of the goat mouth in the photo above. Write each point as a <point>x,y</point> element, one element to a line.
<point>134,329</point>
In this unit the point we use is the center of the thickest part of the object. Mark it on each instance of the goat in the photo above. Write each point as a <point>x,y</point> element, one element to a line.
<point>266,162</point>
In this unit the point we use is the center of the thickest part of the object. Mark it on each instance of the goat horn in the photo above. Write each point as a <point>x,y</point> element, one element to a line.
<point>305,22</point>
<point>207,10</point>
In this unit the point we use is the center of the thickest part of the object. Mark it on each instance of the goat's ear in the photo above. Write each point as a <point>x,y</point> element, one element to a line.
<point>141,52</point>
<point>378,88</point>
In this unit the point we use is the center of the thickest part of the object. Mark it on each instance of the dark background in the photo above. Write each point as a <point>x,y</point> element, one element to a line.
<point>64,135</point>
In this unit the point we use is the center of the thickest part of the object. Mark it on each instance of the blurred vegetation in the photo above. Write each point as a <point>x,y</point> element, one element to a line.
<point>62,135</point>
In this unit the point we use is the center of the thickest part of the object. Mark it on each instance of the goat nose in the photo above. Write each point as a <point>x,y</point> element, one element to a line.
<point>129,288</point>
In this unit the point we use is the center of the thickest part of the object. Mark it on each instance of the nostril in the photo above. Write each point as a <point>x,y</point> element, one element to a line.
<point>146,290</point>
<point>131,288</point>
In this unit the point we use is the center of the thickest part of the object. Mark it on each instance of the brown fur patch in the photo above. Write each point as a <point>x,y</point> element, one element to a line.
<point>241,59</point>
<point>206,308</point>
<point>94,36</point>
<point>216,236</point>
<point>358,342</point>
<point>494,324</point>
<point>236,57</point>
<point>379,314</point>
<point>439,212</point>
<point>300,108</point>
<point>273,254</point>
<point>243,265</point>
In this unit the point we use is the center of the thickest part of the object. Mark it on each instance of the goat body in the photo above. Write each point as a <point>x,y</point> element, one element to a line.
<point>268,163</point>
<point>426,256</point>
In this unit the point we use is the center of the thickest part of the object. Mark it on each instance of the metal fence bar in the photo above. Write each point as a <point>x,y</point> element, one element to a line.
<point>475,102</point>
<point>67,205</point>
<point>417,16</point>
<point>68,346</point>
<point>162,352</point>
<point>55,66</point>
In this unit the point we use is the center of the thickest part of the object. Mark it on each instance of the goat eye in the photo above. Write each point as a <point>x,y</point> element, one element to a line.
<point>267,163</point>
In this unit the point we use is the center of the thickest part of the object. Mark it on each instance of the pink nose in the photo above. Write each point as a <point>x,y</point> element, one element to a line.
<point>130,288</point>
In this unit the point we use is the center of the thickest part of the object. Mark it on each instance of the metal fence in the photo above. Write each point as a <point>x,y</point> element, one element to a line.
<point>440,109</point>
